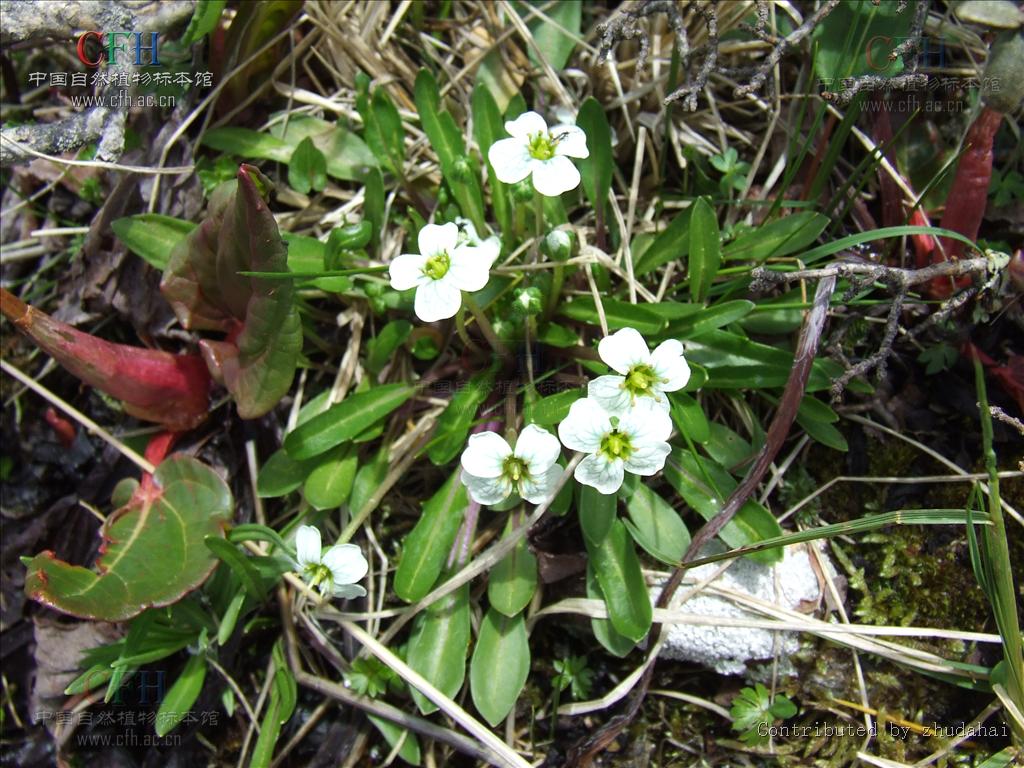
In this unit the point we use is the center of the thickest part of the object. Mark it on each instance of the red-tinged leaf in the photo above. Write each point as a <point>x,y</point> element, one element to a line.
<point>152,552</point>
<point>172,390</point>
<point>256,362</point>
<point>968,195</point>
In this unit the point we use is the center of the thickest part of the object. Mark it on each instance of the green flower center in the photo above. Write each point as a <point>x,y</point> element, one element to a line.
<point>437,266</point>
<point>640,379</point>
<point>616,445</point>
<point>541,146</point>
<point>515,469</point>
<point>319,575</point>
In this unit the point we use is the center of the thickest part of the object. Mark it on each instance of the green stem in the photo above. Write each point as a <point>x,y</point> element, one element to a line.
<point>555,293</point>
<point>485,326</point>
<point>997,553</point>
<point>460,328</point>
<point>538,224</point>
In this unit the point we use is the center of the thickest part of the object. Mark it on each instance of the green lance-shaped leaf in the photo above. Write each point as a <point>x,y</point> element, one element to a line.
<point>152,554</point>
<point>597,513</point>
<point>428,543</point>
<point>152,235</point>
<point>368,479</point>
<point>555,45</point>
<point>513,580</point>
<point>307,169</point>
<point>280,475</point>
<point>753,523</point>
<point>671,243</point>
<point>345,420</point>
<point>500,665</point>
<point>446,140</point>
<point>689,417</point>
<point>347,155</point>
<point>782,237</point>
<point>617,568</point>
<point>708,319</point>
<point>705,252</point>
<point>618,314</point>
<point>330,482</point>
<point>439,645</point>
<point>394,734</point>
<point>181,696</point>
<point>596,170</point>
<point>202,283</point>
<point>604,632</point>
<point>553,408</point>
<point>488,127</point>
<point>381,348</point>
<point>655,526</point>
<point>454,423</point>
<point>383,125</point>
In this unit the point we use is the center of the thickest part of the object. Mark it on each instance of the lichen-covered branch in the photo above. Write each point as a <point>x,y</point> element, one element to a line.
<point>898,281</point>
<point>104,123</point>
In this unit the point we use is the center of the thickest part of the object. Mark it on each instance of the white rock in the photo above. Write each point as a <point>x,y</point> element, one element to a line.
<point>792,583</point>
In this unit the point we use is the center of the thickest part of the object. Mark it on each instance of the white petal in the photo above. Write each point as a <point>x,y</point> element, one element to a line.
<point>510,159</point>
<point>487,490</point>
<point>346,562</point>
<point>348,591</point>
<point>646,423</point>
<point>668,362</point>
<point>438,238</point>
<point>437,300</point>
<point>470,268</point>
<point>584,427</point>
<point>597,472</point>
<point>555,176</point>
<point>526,124</point>
<point>610,393</point>
<point>491,248</point>
<point>624,349</point>
<point>467,231</point>
<point>537,488</point>
<point>538,448</point>
<point>485,454</point>
<point>406,271</point>
<point>572,141</point>
<point>307,545</point>
<point>649,459</point>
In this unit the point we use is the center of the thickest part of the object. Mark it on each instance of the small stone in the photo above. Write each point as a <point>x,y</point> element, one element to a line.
<point>727,649</point>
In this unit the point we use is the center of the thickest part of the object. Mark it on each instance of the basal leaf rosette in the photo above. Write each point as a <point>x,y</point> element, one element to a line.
<point>152,552</point>
<point>257,359</point>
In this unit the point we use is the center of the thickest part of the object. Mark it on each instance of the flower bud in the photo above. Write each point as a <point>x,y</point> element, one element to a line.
<point>558,245</point>
<point>523,191</point>
<point>528,302</point>
<point>462,170</point>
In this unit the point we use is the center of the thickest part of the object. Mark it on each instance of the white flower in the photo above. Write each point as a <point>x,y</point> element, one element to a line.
<point>467,235</point>
<point>492,471</point>
<point>636,442</point>
<point>335,571</point>
<point>644,375</point>
<point>441,271</point>
<point>533,149</point>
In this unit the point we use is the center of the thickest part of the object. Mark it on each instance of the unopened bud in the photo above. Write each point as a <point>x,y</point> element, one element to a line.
<point>462,170</point>
<point>558,244</point>
<point>523,191</point>
<point>528,302</point>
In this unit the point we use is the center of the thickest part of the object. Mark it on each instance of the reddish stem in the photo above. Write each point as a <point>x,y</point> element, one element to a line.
<point>172,390</point>
<point>156,451</point>
<point>62,428</point>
